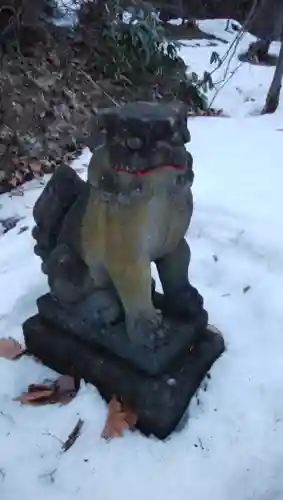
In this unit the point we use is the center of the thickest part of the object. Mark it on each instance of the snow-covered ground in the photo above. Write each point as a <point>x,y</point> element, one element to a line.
<point>232,445</point>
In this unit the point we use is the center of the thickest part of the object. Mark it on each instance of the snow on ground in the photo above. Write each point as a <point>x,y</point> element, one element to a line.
<point>245,92</point>
<point>232,444</point>
<point>176,22</point>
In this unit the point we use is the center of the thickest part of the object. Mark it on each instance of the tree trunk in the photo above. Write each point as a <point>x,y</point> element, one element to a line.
<point>273,95</point>
<point>258,50</point>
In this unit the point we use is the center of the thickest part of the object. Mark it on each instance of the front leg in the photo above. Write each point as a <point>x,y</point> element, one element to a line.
<point>68,276</point>
<point>132,279</point>
<point>181,298</point>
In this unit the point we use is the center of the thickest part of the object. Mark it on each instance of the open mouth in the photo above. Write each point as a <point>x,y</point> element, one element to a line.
<point>122,168</point>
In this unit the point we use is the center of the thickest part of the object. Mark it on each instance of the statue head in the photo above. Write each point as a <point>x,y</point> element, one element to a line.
<point>143,136</point>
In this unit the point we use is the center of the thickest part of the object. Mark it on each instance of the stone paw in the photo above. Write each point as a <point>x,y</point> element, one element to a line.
<point>146,330</point>
<point>187,304</point>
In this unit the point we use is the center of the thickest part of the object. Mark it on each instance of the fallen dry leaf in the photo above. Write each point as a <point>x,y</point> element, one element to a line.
<point>60,391</point>
<point>13,181</point>
<point>10,349</point>
<point>40,387</point>
<point>208,112</point>
<point>19,176</point>
<point>65,383</point>
<point>120,417</point>
<point>35,166</point>
<point>65,389</point>
<point>35,396</point>
<point>53,59</point>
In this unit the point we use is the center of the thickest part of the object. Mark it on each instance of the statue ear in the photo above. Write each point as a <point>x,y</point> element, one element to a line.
<point>184,131</point>
<point>186,134</point>
<point>177,139</point>
<point>97,134</point>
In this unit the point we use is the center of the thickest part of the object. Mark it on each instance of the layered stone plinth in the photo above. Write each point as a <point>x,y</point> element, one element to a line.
<point>158,385</point>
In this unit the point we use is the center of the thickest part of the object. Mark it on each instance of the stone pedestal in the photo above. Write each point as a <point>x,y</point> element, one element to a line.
<point>158,384</point>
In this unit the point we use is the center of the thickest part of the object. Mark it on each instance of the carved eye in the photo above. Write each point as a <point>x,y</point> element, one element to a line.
<point>134,143</point>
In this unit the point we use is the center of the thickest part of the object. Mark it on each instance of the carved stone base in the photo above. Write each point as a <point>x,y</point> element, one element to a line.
<point>160,401</point>
<point>81,322</point>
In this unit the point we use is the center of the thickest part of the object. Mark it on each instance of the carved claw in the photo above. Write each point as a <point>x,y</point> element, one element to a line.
<point>146,330</point>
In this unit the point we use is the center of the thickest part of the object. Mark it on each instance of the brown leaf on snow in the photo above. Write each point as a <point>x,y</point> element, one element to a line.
<point>19,176</point>
<point>40,387</point>
<point>65,383</point>
<point>13,181</point>
<point>36,395</point>
<point>10,349</point>
<point>120,417</point>
<point>65,389</point>
<point>61,391</point>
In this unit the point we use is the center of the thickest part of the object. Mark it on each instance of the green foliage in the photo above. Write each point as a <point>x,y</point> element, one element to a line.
<point>215,58</point>
<point>139,47</point>
<point>136,53</point>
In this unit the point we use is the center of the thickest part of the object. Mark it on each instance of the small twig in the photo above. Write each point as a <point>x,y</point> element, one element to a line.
<point>200,443</point>
<point>73,436</point>
<point>88,77</point>
<point>54,437</point>
<point>14,20</point>
<point>232,48</point>
<point>11,19</point>
<point>2,473</point>
<point>224,83</point>
<point>5,415</point>
<point>18,20</point>
<point>50,474</point>
<point>240,34</point>
<point>236,238</point>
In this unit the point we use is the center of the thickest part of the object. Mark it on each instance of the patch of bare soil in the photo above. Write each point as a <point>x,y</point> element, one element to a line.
<point>51,87</point>
<point>47,102</point>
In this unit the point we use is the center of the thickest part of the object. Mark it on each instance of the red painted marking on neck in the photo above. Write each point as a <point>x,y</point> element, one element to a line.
<point>147,171</point>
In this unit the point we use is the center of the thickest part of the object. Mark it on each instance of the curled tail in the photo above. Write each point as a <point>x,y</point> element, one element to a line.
<point>51,208</point>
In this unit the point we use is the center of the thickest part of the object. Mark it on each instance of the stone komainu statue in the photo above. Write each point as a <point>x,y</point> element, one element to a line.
<point>97,239</point>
